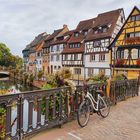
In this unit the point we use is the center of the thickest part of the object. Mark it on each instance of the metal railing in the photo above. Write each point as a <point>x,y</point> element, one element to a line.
<point>120,90</point>
<point>30,112</point>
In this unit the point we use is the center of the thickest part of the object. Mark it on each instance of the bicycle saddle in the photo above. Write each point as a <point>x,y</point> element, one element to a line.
<point>99,92</point>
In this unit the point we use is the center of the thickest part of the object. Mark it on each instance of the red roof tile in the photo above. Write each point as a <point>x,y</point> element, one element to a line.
<point>104,19</point>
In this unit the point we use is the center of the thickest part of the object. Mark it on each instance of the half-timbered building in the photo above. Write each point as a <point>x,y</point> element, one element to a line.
<point>47,49</point>
<point>30,55</point>
<point>56,49</point>
<point>73,53</point>
<point>125,49</point>
<point>104,30</point>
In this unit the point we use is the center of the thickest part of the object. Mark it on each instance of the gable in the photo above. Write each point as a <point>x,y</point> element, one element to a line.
<point>129,30</point>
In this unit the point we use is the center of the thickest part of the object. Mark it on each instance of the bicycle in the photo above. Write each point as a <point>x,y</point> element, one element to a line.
<point>90,105</point>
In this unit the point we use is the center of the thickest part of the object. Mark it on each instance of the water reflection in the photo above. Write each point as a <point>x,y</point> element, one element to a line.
<point>11,86</point>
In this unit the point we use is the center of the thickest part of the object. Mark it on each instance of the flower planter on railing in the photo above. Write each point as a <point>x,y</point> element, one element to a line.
<point>138,63</point>
<point>132,40</point>
<point>2,122</point>
<point>119,63</point>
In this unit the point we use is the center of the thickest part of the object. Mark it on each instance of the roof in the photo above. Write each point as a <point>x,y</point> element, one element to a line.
<point>135,7</point>
<point>54,34</point>
<point>85,24</point>
<point>60,41</point>
<point>63,38</point>
<point>38,39</point>
<point>104,19</point>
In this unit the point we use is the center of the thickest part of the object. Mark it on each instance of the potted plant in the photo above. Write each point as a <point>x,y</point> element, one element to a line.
<point>119,62</point>
<point>138,62</point>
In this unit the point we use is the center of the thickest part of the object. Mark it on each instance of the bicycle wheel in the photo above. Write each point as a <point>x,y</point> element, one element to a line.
<point>104,106</point>
<point>83,113</point>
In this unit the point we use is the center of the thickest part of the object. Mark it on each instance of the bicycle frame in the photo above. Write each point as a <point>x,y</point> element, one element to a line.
<point>93,102</point>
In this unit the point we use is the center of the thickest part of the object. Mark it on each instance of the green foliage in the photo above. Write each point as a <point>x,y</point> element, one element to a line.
<point>31,79</point>
<point>51,79</point>
<point>7,59</point>
<point>120,77</point>
<point>64,73</point>
<point>101,78</point>
<point>40,74</point>
<point>47,86</point>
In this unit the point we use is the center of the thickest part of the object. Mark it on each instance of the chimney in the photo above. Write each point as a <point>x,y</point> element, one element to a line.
<point>65,26</point>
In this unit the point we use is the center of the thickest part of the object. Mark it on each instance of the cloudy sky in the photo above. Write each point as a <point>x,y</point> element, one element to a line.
<point>22,20</point>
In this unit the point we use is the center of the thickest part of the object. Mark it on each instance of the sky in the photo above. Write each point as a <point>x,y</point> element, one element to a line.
<point>22,20</point>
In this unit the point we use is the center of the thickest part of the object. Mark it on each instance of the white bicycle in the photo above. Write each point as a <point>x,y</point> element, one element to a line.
<point>90,105</point>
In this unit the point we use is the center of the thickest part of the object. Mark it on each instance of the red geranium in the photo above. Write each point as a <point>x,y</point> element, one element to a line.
<point>120,62</point>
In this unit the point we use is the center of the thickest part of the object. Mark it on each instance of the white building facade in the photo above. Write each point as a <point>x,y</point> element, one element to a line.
<point>97,57</point>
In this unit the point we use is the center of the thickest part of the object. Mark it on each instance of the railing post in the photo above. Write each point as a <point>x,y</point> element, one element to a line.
<point>20,116</point>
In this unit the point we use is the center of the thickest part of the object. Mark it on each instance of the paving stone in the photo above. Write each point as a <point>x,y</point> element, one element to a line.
<point>123,123</point>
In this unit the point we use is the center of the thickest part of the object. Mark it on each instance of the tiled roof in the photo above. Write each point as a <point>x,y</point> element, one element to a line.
<point>41,37</point>
<point>58,41</point>
<point>104,19</point>
<point>85,24</point>
<point>38,39</point>
<point>82,26</point>
<point>54,34</point>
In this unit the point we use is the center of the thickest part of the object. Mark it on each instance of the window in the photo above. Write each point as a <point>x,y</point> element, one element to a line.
<point>85,33</point>
<point>129,35</point>
<point>51,48</point>
<point>75,56</point>
<point>66,56</point>
<point>101,71</point>
<point>121,19</point>
<point>77,71</point>
<point>102,57</point>
<point>92,58</point>
<point>55,67</point>
<point>134,53</point>
<point>77,45</point>
<point>90,72</point>
<point>59,67</point>
<point>104,29</point>
<point>52,57</point>
<point>57,57</point>
<point>40,61</point>
<point>76,34</point>
<point>133,18</point>
<point>57,48</point>
<point>97,43</point>
<point>138,17</point>
<point>137,34</point>
<point>125,54</point>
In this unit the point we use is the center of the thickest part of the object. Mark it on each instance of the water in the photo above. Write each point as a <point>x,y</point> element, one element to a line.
<point>10,86</point>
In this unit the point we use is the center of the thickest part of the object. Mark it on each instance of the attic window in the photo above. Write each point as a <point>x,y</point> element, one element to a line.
<point>85,32</point>
<point>109,25</point>
<point>104,29</point>
<point>76,34</point>
<point>133,18</point>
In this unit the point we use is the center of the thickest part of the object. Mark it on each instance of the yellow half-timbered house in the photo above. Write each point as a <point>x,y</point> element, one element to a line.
<point>125,49</point>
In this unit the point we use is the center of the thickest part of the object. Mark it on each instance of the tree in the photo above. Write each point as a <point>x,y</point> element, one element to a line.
<point>7,59</point>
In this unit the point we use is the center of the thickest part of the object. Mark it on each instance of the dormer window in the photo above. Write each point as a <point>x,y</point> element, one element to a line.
<point>85,32</point>
<point>104,29</point>
<point>76,45</point>
<point>76,34</point>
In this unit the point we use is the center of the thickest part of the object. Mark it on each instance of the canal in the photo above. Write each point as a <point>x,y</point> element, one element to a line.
<point>11,86</point>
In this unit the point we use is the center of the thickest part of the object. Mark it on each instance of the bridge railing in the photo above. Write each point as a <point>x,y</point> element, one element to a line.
<point>121,90</point>
<point>30,112</point>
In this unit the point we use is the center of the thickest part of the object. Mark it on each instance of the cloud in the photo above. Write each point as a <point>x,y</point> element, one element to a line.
<point>22,20</point>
